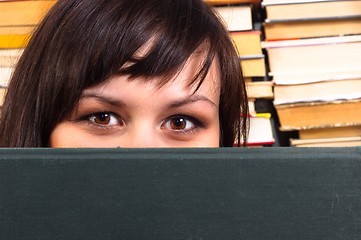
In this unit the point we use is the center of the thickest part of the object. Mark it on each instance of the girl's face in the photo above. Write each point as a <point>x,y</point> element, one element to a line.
<point>138,113</point>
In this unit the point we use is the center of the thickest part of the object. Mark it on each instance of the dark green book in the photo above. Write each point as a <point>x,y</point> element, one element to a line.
<point>198,194</point>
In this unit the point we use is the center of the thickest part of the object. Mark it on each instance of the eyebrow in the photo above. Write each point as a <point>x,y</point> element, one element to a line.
<point>191,99</point>
<point>106,99</point>
<point>178,103</point>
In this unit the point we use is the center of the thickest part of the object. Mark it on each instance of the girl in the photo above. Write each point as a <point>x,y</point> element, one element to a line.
<point>128,73</point>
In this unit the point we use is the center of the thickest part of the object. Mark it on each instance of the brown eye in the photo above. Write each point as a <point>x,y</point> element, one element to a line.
<point>102,118</point>
<point>105,119</point>
<point>178,123</point>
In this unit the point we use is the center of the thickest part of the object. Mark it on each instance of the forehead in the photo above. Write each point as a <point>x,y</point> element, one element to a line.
<point>190,74</point>
<point>123,86</point>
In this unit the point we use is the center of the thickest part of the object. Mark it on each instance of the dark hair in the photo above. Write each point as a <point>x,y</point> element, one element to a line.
<point>81,43</point>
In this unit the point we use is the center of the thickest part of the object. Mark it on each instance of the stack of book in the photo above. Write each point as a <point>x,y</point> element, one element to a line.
<point>314,61</point>
<point>240,18</point>
<point>18,19</point>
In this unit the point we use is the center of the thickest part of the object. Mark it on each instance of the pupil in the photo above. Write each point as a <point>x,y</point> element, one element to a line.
<point>179,123</point>
<point>102,118</point>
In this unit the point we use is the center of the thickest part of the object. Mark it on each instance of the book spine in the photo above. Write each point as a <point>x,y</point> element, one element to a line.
<point>292,2</point>
<point>14,40</point>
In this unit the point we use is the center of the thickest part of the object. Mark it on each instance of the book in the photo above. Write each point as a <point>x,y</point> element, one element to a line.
<point>247,43</point>
<point>319,55</point>
<point>236,17</point>
<point>312,28</point>
<point>14,30</point>
<point>15,36</point>
<point>251,106</point>
<point>344,89</point>
<point>310,41</point>
<point>310,77</point>
<point>179,194</point>
<point>5,75</point>
<point>270,2</point>
<point>260,130</point>
<point>14,40</point>
<point>327,142</point>
<point>226,2</point>
<point>22,13</point>
<point>299,10</point>
<point>253,66</point>
<point>259,89</point>
<point>10,57</point>
<point>319,114</point>
<point>330,132</point>
<point>2,96</point>
<point>336,136</point>
<point>18,20</point>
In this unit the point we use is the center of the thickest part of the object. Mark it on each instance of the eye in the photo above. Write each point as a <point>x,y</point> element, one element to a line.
<point>180,123</point>
<point>104,119</point>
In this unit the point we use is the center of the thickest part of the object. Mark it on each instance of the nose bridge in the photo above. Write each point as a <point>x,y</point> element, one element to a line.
<point>142,135</point>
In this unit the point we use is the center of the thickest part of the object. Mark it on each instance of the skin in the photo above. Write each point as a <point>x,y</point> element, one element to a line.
<point>138,113</point>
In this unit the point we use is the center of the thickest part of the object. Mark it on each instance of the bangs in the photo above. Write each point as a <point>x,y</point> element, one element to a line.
<point>158,40</point>
<point>165,63</point>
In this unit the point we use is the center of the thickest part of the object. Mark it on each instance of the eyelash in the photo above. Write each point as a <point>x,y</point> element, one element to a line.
<point>88,118</point>
<point>196,122</point>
